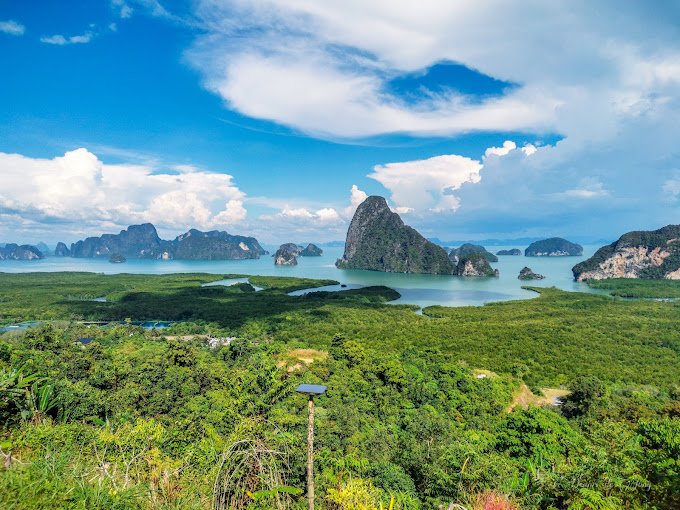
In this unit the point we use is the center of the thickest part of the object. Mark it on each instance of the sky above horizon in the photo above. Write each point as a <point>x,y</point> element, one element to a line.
<point>276,118</point>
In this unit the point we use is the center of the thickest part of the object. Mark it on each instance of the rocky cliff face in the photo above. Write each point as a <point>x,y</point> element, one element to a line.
<point>640,254</point>
<point>142,241</point>
<point>378,240</point>
<point>468,249</point>
<point>287,255</point>
<point>213,245</point>
<point>138,241</point>
<point>62,250</point>
<point>475,264</point>
<point>311,250</point>
<point>12,251</point>
<point>553,247</point>
<point>292,248</point>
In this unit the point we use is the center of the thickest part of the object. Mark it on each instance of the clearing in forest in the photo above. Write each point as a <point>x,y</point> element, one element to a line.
<point>524,397</point>
<point>293,360</point>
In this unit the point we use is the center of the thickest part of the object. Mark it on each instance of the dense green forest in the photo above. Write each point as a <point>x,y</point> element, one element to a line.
<point>421,411</point>
<point>638,288</point>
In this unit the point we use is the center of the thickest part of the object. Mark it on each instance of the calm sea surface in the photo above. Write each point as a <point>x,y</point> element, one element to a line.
<point>423,290</point>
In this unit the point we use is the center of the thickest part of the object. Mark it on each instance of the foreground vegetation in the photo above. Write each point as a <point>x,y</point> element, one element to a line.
<point>639,288</point>
<point>176,419</point>
<point>559,336</point>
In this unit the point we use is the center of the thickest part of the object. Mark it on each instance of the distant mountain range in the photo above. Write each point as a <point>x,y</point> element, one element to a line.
<point>332,244</point>
<point>518,241</point>
<point>12,251</point>
<point>378,240</point>
<point>143,242</point>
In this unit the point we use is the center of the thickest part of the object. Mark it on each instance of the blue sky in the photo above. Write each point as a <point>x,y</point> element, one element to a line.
<point>276,118</point>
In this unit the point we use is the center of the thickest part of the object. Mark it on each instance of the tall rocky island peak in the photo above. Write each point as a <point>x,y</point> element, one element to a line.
<point>378,240</point>
<point>137,241</point>
<point>62,250</point>
<point>639,254</point>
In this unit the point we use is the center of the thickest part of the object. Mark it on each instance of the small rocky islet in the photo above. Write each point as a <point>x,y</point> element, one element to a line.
<point>553,247</point>
<point>311,250</point>
<point>475,264</point>
<point>288,253</point>
<point>117,258</point>
<point>473,260</point>
<point>468,249</point>
<point>527,274</point>
<point>513,251</point>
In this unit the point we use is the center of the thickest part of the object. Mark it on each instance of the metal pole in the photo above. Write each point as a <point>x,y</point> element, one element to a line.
<point>310,454</point>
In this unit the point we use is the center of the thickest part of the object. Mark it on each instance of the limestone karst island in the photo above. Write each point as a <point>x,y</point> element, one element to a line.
<point>266,255</point>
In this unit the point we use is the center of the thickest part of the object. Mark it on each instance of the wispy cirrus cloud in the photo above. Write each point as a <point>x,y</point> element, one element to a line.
<point>12,27</point>
<point>179,13</point>
<point>671,187</point>
<point>608,85</point>
<point>260,56</point>
<point>60,40</point>
<point>122,8</point>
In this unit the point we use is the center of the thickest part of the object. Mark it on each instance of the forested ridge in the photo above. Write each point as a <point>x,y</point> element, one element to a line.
<point>417,412</point>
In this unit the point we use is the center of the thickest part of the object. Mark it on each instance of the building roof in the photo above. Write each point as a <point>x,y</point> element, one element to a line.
<point>311,389</point>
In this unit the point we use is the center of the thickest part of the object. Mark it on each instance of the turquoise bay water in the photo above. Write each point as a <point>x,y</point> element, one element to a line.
<point>422,290</point>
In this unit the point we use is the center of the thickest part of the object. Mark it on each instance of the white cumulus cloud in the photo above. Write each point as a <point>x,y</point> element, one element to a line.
<point>81,193</point>
<point>427,184</point>
<point>312,94</point>
<point>302,215</point>
<point>508,146</point>
<point>305,222</point>
<point>356,196</point>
